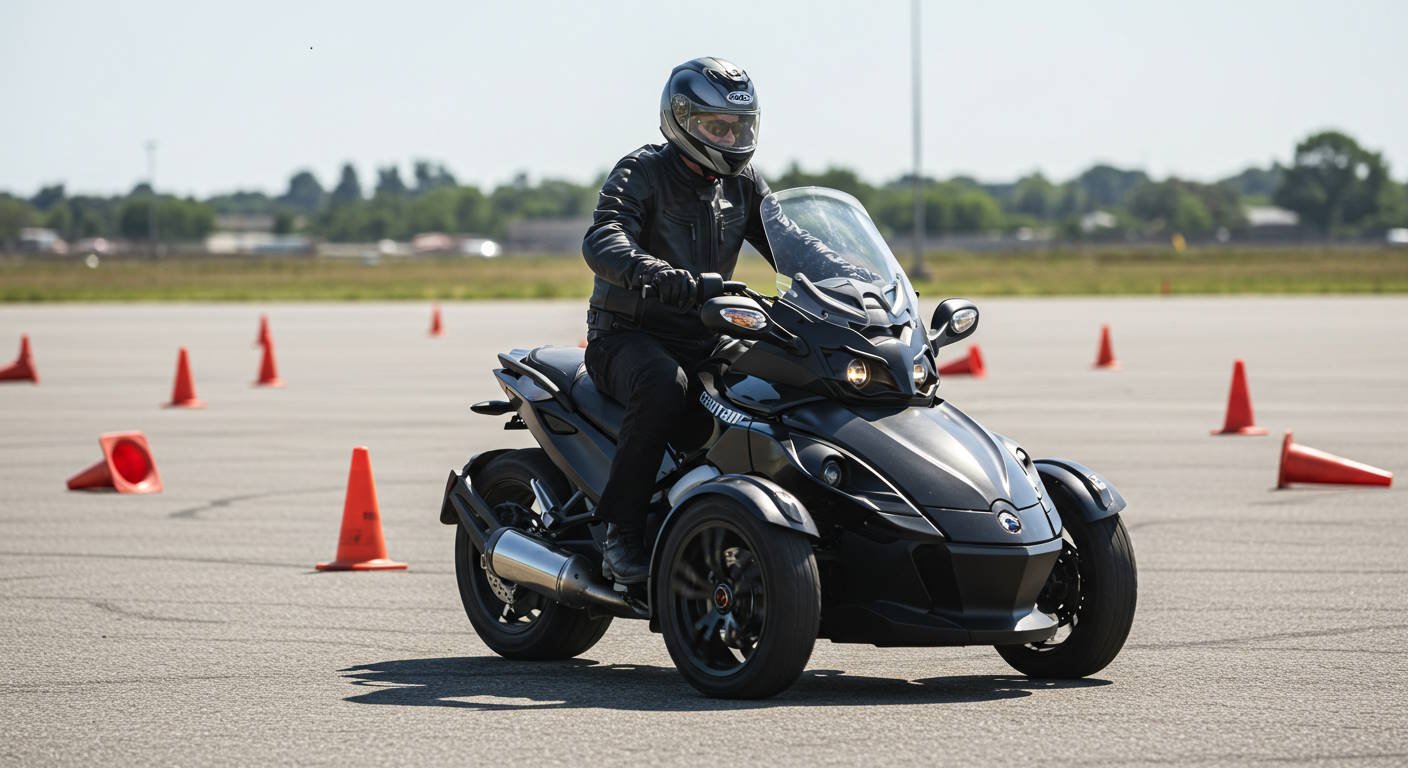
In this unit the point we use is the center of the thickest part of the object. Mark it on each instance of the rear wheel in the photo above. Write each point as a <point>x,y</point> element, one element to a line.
<point>1092,592</point>
<point>515,622</point>
<point>739,600</point>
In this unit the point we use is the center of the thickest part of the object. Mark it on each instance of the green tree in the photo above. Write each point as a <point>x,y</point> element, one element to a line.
<point>349,187</point>
<point>843,179</point>
<point>1035,196</point>
<point>388,182</point>
<point>176,219</point>
<point>15,214</point>
<point>1335,184</point>
<point>304,194</point>
<point>59,218</point>
<point>48,197</point>
<point>429,178</point>
<point>1105,186</point>
<point>1169,207</point>
<point>1256,184</point>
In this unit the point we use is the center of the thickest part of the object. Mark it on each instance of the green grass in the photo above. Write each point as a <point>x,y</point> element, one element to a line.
<point>1067,271</point>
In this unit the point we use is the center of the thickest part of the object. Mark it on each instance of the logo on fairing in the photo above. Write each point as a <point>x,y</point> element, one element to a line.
<point>739,97</point>
<point>724,413</point>
<point>1009,522</point>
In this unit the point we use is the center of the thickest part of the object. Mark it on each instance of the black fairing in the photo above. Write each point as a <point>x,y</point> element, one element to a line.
<point>834,322</point>
<point>955,471</point>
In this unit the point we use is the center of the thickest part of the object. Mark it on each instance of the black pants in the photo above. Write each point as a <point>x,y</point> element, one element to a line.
<point>653,378</point>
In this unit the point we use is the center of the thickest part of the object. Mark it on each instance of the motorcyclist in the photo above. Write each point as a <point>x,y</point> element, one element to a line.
<point>666,214</point>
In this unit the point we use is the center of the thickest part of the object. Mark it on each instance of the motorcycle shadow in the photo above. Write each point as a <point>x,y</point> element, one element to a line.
<point>491,683</point>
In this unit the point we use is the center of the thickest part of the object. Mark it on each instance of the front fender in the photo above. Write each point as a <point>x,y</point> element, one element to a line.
<point>1094,498</point>
<point>766,499</point>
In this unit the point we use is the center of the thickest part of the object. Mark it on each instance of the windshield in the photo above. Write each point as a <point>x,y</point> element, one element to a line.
<point>823,233</point>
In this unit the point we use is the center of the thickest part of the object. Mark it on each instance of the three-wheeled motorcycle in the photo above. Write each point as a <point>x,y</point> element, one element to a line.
<point>833,495</point>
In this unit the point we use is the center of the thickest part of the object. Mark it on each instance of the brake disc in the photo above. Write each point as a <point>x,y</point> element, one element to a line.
<point>505,591</point>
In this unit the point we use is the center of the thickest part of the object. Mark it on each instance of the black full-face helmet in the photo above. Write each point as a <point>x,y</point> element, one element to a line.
<point>709,111</point>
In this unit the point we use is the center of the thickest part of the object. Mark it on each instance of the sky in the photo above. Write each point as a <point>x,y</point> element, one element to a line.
<point>242,95</point>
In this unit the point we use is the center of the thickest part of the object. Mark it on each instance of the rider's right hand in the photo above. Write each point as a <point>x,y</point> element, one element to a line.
<point>675,286</point>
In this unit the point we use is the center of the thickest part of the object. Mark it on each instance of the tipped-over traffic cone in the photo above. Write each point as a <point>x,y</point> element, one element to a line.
<point>437,328</point>
<point>1239,420</point>
<point>360,546</point>
<point>972,365</point>
<point>183,393</point>
<point>23,367</point>
<point>263,339</point>
<point>1300,464</point>
<point>127,466</point>
<point>268,370</point>
<point>1106,356</point>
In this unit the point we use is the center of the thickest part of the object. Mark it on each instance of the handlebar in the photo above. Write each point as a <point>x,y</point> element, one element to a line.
<point>707,286</point>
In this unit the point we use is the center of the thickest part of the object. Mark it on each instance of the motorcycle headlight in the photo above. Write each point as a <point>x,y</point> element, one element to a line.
<point>858,373</point>
<point>831,473</point>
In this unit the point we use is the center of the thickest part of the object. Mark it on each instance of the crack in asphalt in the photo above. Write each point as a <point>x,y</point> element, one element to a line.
<point>228,501</point>
<point>1273,636</point>
<point>157,558</point>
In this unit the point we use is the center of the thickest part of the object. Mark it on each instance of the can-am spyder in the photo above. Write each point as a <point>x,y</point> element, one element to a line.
<point>836,496</point>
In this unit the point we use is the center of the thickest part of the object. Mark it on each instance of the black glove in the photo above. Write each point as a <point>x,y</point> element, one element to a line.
<point>675,286</point>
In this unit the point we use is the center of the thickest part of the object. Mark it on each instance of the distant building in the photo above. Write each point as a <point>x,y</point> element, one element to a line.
<point>244,222</point>
<point>547,235</point>
<point>1097,221</point>
<point>41,240</point>
<point>1269,222</point>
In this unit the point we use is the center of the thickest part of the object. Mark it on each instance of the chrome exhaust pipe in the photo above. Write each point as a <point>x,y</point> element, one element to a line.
<point>565,577</point>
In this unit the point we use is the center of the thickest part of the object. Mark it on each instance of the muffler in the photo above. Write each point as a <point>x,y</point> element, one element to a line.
<point>565,577</point>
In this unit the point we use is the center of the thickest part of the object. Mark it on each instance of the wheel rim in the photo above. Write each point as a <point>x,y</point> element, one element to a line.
<point>514,610</point>
<point>1063,596</point>
<point>718,598</point>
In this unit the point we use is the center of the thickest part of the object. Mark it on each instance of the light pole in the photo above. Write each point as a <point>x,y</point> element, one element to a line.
<point>918,270</point>
<point>151,205</point>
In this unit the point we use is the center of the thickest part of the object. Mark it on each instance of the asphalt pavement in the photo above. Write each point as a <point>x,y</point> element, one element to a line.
<point>190,627</point>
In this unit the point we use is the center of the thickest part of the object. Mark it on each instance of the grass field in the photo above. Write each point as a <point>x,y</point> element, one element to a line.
<point>1098,271</point>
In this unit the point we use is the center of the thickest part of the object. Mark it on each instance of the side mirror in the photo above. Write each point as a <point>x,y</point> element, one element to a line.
<point>736,316</point>
<point>954,319</point>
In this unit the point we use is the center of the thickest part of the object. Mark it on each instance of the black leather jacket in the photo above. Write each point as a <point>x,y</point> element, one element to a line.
<point>655,213</point>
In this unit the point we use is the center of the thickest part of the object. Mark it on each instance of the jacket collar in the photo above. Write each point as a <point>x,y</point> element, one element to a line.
<point>674,163</point>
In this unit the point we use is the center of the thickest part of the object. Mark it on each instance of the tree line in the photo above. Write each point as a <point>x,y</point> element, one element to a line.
<point>1337,187</point>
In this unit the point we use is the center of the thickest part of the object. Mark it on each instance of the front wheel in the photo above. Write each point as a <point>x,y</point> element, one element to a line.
<point>739,600</point>
<point>1092,592</point>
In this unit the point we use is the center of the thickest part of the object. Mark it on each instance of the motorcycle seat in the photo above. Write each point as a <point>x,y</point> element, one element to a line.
<point>563,366</point>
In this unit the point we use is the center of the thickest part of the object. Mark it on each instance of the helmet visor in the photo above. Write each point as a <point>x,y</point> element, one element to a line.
<point>728,131</point>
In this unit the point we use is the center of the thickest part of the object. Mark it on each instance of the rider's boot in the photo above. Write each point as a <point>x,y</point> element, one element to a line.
<point>623,557</point>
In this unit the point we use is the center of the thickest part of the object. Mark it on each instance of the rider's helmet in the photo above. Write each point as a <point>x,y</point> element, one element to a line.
<point>709,111</point>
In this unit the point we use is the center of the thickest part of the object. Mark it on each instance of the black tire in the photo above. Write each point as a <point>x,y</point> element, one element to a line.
<point>1094,597</point>
<point>535,628</point>
<point>755,640</point>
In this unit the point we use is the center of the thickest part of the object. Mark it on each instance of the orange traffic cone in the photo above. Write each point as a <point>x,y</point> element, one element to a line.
<point>263,338</point>
<point>360,546</point>
<point>268,371</point>
<point>1239,420</point>
<point>183,394</point>
<point>1300,464</point>
<point>972,365</point>
<point>1106,357</point>
<point>23,367</point>
<point>127,466</point>
<point>437,328</point>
